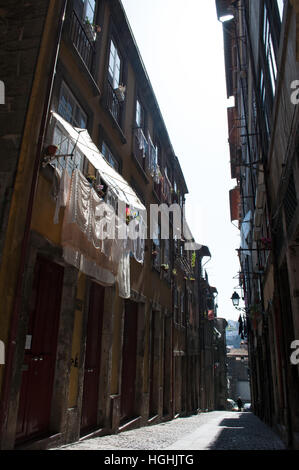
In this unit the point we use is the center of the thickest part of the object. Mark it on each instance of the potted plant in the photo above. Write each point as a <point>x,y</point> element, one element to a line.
<point>51,150</point>
<point>91,30</point>
<point>120,93</point>
<point>91,179</point>
<point>100,190</point>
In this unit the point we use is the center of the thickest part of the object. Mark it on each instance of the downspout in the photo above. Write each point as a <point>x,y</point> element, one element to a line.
<point>11,347</point>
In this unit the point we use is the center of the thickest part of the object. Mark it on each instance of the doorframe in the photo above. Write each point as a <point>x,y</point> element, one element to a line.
<point>39,246</point>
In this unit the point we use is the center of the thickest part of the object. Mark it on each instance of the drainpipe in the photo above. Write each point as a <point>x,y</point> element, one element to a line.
<point>11,348</point>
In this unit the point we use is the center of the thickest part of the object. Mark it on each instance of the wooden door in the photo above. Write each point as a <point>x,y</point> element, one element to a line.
<point>128,408</point>
<point>92,359</point>
<point>40,352</point>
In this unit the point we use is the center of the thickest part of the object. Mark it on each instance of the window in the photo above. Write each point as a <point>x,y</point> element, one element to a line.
<point>85,9</point>
<point>139,114</point>
<point>82,32</point>
<point>157,247</point>
<point>66,147</point>
<point>114,66</point>
<point>89,10</point>
<point>166,172</point>
<point>263,98</point>
<point>269,50</point>
<point>109,157</point>
<point>280,5</point>
<point>70,110</point>
<point>152,157</point>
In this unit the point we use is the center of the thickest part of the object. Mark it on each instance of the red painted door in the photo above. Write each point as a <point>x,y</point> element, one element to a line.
<point>128,408</point>
<point>40,352</point>
<point>92,358</point>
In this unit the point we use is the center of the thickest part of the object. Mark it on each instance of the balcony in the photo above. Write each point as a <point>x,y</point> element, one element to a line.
<point>82,40</point>
<point>140,149</point>
<point>166,192</point>
<point>112,102</point>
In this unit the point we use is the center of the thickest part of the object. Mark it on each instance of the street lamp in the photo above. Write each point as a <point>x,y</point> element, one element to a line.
<point>235,299</point>
<point>227,15</point>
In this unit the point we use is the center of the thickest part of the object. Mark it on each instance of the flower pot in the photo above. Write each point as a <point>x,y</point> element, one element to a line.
<point>51,150</point>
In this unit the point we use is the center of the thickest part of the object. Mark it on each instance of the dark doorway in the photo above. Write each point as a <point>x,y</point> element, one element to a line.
<point>40,352</point>
<point>153,398</point>
<point>128,379</point>
<point>167,367</point>
<point>92,359</point>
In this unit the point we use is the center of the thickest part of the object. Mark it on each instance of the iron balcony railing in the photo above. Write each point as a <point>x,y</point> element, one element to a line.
<point>113,103</point>
<point>82,41</point>
<point>141,148</point>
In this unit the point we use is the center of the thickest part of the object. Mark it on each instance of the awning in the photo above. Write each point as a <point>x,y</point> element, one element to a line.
<point>235,201</point>
<point>117,184</point>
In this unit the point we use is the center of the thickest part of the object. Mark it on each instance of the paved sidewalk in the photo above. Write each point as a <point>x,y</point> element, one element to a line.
<point>231,431</point>
<point>217,430</point>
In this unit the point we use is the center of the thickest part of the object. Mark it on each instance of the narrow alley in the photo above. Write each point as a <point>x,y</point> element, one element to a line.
<point>149,227</point>
<point>217,430</point>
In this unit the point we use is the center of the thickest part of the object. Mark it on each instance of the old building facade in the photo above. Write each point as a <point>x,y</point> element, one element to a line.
<point>99,336</point>
<point>261,60</point>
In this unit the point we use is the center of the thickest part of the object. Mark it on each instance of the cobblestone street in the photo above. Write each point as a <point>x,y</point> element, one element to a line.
<point>207,431</point>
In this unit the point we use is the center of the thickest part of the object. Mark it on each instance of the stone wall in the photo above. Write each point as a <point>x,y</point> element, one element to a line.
<point>21,27</point>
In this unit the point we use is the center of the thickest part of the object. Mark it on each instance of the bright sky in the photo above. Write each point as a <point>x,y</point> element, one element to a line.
<point>181,44</point>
